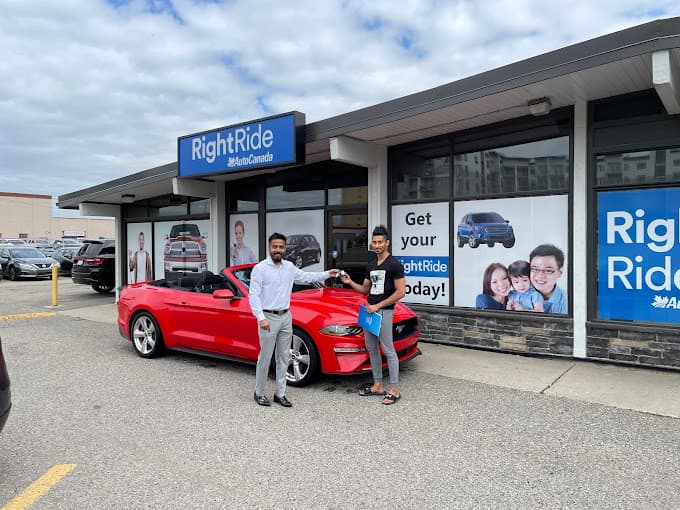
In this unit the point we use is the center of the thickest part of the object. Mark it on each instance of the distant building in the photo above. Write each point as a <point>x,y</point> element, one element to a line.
<point>30,216</point>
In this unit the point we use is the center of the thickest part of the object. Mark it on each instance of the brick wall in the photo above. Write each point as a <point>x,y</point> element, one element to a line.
<point>634,344</point>
<point>650,346</point>
<point>507,332</point>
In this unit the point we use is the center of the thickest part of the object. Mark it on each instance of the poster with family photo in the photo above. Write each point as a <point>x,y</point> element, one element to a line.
<point>181,248</point>
<point>493,263</point>
<point>304,236</point>
<point>244,245</point>
<point>140,253</point>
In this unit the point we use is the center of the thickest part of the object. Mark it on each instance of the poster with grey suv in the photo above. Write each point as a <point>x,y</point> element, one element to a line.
<point>304,237</point>
<point>503,231</point>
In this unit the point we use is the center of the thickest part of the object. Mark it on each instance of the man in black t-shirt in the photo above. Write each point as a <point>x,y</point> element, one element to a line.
<point>385,285</point>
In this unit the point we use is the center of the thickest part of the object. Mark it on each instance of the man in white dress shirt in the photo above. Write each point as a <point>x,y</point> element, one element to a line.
<point>271,284</point>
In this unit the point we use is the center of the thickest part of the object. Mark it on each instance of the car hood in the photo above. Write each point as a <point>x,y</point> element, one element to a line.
<point>35,260</point>
<point>185,238</point>
<point>494,224</point>
<point>340,302</point>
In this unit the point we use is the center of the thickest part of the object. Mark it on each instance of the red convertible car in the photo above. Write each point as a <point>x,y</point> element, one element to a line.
<point>210,314</point>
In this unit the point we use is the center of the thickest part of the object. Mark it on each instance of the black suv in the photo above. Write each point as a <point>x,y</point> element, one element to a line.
<point>95,265</point>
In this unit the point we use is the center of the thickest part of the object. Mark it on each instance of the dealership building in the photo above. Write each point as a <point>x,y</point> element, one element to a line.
<point>564,167</point>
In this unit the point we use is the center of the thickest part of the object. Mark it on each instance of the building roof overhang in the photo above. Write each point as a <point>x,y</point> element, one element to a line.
<point>613,64</point>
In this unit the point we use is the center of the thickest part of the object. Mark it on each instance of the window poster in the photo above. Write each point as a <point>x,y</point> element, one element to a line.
<point>511,254</point>
<point>304,231</point>
<point>244,245</point>
<point>140,252</point>
<point>181,248</point>
<point>420,240</point>
<point>638,277</point>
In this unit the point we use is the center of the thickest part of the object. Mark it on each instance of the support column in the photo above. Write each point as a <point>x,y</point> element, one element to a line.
<point>579,267</point>
<point>666,78</point>
<point>111,211</point>
<point>373,157</point>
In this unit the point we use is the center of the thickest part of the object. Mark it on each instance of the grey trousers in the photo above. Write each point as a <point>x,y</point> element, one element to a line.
<point>373,344</point>
<point>277,338</point>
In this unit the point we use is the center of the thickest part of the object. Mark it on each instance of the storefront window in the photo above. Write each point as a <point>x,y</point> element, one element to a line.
<point>348,196</point>
<point>200,206</point>
<point>643,167</point>
<point>171,205</point>
<point>422,172</point>
<point>244,195</point>
<point>528,167</point>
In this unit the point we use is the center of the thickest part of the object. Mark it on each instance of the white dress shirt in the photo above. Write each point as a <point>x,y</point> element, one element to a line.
<point>271,285</point>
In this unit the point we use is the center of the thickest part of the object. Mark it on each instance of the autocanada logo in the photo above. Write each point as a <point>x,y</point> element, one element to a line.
<point>665,302</point>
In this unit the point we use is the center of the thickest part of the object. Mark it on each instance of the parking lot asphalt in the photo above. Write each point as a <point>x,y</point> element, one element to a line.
<point>475,429</point>
<point>640,389</point>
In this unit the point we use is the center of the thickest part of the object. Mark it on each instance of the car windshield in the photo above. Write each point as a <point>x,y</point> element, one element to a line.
<point>243,275</point>
<point>26,253</point>
<point>185,230</point>
<point>294,239</point>
<point>490,217</point>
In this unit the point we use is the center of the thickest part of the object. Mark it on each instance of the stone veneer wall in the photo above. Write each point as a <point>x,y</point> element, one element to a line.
<point>503,331</point>
<point>642,345</point>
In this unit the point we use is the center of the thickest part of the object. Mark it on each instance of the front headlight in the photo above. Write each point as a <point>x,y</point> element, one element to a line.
<point>340,330</point>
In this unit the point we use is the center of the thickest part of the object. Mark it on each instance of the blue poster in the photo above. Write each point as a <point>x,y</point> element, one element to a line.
<point>638,271</point>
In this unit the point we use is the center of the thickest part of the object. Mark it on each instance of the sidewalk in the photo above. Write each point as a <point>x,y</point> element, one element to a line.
<point>639,389</point>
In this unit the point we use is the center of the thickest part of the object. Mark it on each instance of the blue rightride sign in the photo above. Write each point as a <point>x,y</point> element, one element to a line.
<point>260,143</point>
<point>638,269</point>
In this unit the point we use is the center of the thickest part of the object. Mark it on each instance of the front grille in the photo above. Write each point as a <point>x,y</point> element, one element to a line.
<point>404,329</point>
<point>496,230</point>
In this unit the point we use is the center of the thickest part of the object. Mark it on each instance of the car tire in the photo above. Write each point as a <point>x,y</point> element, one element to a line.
<point>460,241</point>
<point>509,244</point>
<point>472,243</point>
<point>299,262</point>
<point>12,274</point>
<point>102,287</point>
<point>318,256</point>
<point>490,245</point>
<point>304,364</point>
<point>146,336</point>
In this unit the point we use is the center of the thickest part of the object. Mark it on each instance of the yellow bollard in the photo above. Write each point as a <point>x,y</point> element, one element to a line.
<point>55,276</point>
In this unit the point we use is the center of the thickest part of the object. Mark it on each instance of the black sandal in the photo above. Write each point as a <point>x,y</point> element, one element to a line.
<point>366,391</point>
<point>391,399</point>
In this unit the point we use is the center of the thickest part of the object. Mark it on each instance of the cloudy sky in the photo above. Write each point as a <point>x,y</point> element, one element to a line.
<point>93,90</point>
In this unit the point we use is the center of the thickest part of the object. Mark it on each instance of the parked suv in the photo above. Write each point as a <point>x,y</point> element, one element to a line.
<point>95,265</point>
<point>303,249</point>
<point>485,228</point>
<point>185,251</point>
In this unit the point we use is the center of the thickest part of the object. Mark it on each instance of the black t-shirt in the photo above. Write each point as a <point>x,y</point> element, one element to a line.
<point>382,278</point>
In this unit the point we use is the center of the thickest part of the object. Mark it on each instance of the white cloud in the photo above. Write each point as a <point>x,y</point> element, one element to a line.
<point>91,92</point>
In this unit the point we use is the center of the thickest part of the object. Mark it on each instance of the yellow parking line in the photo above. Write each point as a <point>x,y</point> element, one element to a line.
<point>39,488</point>
<point>26,316</point>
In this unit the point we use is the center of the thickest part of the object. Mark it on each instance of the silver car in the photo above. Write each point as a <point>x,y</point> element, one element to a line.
<point>20,261</point>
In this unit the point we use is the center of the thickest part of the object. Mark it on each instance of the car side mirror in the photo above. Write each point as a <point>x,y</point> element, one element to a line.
<point>224,294</point>
<point>507,221</point>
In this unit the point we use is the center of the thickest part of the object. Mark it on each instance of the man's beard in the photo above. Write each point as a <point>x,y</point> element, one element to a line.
<point>276,257</point>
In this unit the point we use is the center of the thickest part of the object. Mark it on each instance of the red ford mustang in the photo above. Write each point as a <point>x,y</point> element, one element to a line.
<point>210,314</point>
